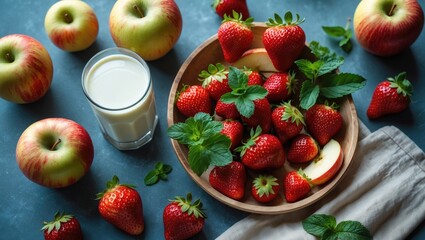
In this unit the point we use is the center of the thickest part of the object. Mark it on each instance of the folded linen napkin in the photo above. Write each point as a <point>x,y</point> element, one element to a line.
<point>384,190</point>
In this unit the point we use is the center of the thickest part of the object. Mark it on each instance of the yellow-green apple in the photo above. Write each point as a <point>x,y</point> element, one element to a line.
<point>150,28</point>
<point>326,164</point>
<point>71,25</point>
<point>54,152</point>
<point>26,69</point>
<point>256,59</point>
<point>387,27</point>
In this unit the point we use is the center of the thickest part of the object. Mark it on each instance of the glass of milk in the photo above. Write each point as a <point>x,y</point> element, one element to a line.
<point>118,85</point>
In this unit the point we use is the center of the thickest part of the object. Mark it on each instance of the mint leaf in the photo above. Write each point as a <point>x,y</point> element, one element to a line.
<point>334,31</point>
<point>352,230</point>
<point>341,32</point>
<point>318,224</point>
<point>242,95</point>
<point>338,85</point>
<point>161,171</point>
<point>309,94</point>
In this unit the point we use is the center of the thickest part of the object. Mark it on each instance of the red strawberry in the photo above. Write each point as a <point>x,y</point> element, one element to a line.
<point>303,148</point>
<point>254,77</point>
<point>121,205</point>
<point>235,36</point>
<point>390,96</point>
<point>284,41</point>
<point>214,80</point>
<point>280,86</point>
<point>262,151</point>
<point>63,227</point>
<point>261,117</point>
<point>228,6</point>
<point>265,188</point>
<point>287,121</point>
<point>234,130</point>
<point>296,186</point>
<point>229,179</point>
<point>193,99</point>
<point>226,110</point>
<point>182,218</point>
<point>323,122</point>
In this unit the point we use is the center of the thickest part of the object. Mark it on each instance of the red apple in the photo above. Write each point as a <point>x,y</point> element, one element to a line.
<point>26,69</point>
<point>256,59</point>
<point>54,152</point>
<point>150,28</point>
<point>387,27</point>
<point>71,25</point>
<point>326,165</point>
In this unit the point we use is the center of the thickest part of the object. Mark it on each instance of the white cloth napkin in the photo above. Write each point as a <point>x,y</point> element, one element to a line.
<point>384,190</point>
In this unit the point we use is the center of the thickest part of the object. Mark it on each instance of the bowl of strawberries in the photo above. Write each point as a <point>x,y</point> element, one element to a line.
<point>258,132</point>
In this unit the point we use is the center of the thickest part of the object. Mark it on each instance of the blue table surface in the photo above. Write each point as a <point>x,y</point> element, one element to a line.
<point>25,205</point>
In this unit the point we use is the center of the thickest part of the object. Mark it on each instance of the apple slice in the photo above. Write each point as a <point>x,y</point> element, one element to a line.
<point>256,59</point>
<point>326,165</point>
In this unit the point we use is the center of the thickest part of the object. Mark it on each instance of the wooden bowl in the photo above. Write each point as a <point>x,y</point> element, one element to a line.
<point>210,52</point>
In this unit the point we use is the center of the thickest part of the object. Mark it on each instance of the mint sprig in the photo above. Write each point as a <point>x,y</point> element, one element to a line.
<point>242,95</point>
<point>322,77</point>
<point>160,172</point>
<point>207,146</point>
<point>325,227</point>
<point>343,33</point>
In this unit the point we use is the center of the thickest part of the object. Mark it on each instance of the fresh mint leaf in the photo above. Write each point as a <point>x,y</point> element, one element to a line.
<point>308,68</point>
<point>334,31</point>
<point>318,224</point>
<point>330,64</point>
<point>338,85</point>
<point>161,171</point>
<point>309,94</point>
<point>341,32</point>
<point>325,227</point>
<point>242,95</point>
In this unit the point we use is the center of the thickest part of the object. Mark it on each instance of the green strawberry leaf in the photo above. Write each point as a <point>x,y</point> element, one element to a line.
<point>318,224</point>
<point>160,172</point>
<point>207,146</point>
<point>242,95</point>
<point>338,85</point>
<point>309,94</point>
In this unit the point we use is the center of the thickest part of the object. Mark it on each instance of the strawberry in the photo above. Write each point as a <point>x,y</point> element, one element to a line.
<point>234,130</point>
<point>323,122</point>
<point>280,86</point>
<point>229,180</point>
<point>265,188</point>
<point>254,77</point>
<point>226,110</point>
<point>63,227</point>
<point>296,186</point>
<point>193,99</point>
<point>121,205</point>
<point>262,115</point>
<point>390,96</point>
<point>223,7</point>
<point>182,218</point>
<point>284,41</point>
<point>235,36</point>
<point>287,121</point>
<point>262,151</point>
<point>214,80</point>
<point>303,148</point>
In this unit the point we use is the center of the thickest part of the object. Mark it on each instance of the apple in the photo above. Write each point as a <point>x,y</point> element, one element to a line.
<point>26,69</point>
<point>327,164</point>
<point>71,25</point>
<point>54,152</point>
<point>256,59</point>
<point>150,28</point>
<point>387,27</point>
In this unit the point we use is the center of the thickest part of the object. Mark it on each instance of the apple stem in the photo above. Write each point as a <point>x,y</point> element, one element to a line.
<point>10,57</point>
<point>68,18</point>
<point>139,11</point>
<point>393,7</point>
<point>55,144</point>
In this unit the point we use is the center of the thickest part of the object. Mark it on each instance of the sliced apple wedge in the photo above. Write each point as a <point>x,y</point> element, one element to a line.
<point>256,59</point>
<point>326,164</point>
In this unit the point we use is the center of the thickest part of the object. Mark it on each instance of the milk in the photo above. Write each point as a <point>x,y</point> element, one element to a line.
<point>120,91</point>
